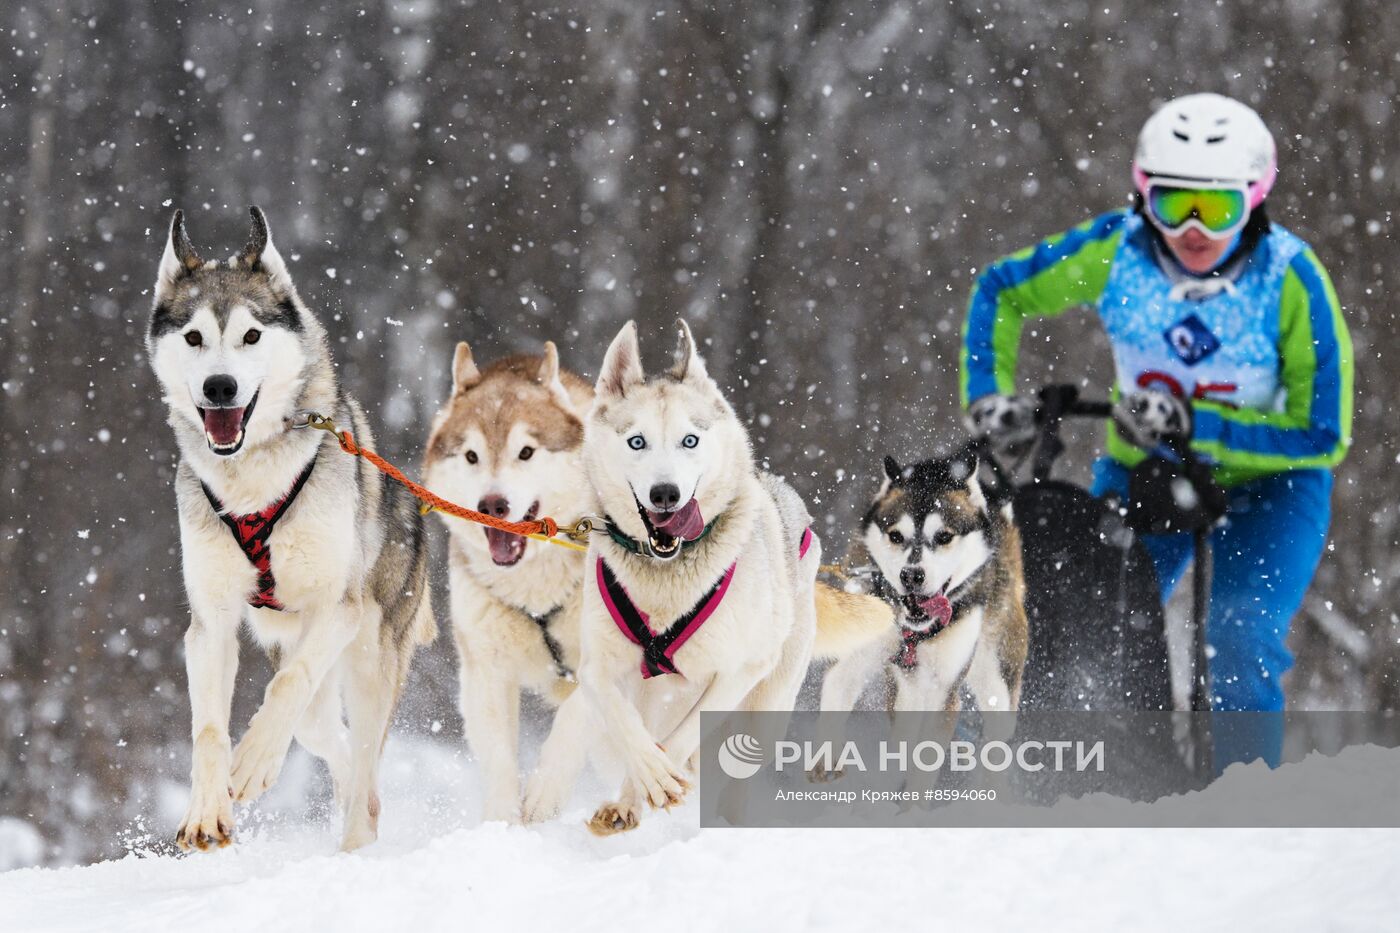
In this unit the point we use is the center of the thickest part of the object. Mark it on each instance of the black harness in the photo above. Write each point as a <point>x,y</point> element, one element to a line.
<point>556,651</point>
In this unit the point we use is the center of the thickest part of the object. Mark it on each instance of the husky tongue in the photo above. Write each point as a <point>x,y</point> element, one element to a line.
<point>222,425</point>
<point>505,548</point>
<point>937,608</point>
<point>686,522</point>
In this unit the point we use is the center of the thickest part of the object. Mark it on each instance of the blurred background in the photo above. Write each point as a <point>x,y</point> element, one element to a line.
<point>814,185</point>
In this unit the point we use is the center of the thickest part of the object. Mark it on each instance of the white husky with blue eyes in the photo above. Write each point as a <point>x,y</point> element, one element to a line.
<point>700,596</point>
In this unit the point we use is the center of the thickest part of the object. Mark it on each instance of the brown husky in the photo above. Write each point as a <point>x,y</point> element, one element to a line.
<point>507,443</point>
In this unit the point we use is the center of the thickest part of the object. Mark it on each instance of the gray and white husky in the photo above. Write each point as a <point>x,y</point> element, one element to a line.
<point>507,442</point>
<point>321,556</point>
<point>700,596</point>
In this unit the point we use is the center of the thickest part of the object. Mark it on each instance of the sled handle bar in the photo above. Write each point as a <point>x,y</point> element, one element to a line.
<point>1060,401</point>
<point>1057,402</point>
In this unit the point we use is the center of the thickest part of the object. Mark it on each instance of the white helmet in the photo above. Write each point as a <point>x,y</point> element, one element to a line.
<point>1207,137</point>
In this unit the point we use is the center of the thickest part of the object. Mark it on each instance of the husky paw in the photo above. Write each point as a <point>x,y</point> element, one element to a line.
<point>361,819</point>
<point>358,834</point>
<point>613,818</point>
<point>209,821</point>
<point>657,780</point>
<point>543,799</point>
<point>257,761</point>
<point>496,811</point>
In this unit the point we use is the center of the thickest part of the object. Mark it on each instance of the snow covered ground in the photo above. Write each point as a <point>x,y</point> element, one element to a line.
<point>437,868</point>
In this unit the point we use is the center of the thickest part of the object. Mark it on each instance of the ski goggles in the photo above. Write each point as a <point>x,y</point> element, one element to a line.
<point>1217,210</point>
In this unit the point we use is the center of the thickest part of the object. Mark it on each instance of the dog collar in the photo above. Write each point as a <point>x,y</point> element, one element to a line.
<point>630,544</point>
<point>252,532</point>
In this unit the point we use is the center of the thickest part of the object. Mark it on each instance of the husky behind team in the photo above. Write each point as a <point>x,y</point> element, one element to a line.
<point>950,562</point>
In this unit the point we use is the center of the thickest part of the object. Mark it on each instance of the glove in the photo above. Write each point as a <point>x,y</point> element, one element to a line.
<point>1004,421</point>
<point>1149,418</point>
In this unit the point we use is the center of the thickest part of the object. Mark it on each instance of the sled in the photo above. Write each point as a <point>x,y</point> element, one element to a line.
<point>1097,627</point>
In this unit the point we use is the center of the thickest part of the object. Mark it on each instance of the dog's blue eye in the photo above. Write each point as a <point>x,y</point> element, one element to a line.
<point>690,440</point>
<point>637,442</point>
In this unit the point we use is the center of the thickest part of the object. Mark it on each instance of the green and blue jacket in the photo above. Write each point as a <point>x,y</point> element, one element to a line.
<point>1265,356</point>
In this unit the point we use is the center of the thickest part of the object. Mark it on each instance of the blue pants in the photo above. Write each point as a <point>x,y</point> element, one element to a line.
<point>1265,555</point>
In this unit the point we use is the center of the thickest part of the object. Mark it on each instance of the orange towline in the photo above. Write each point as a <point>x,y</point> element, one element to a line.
<point>541,529</point>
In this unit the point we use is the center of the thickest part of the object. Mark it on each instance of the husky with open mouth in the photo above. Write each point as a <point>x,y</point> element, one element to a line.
<point>323,557</point>
<point>699,596</point>
<point>950,564</point>
<point>507,443</point>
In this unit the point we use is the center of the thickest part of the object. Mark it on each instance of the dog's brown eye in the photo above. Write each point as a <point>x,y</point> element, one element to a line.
<point>896,537</point>
<point>194,338</point>
<point>253,335</point>
<point>471,456</point>
<point>526,453</point>
<point>942,539</point>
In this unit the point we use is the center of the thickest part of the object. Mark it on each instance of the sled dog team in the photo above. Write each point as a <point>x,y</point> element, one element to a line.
<point>698,591</point>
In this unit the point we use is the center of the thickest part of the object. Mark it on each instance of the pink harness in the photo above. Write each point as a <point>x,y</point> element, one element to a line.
<point>659,648</point>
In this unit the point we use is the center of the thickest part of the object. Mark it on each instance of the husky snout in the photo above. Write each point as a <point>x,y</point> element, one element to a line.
<point>221,390</point>
<point>506,548</point>
<point>933,606</point>
<point>665,497</point>
<point>494,505</point>
<point>224,420</point>
<point>684,523</point>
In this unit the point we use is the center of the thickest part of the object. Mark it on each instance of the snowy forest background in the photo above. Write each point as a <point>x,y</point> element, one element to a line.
<point>812,183</point>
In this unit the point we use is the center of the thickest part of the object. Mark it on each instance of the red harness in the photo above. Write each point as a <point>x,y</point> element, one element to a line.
<point>251,532</point>
<point>659,648</point>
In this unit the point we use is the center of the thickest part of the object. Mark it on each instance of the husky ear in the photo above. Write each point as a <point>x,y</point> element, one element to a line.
<point>257,240</point>
<point>464,371</point>
<point>179,258</point>
<point>964,471</point>
<point>688,363</point>
<point>622,366</point>
<point>892,473</point>
<point>259,255</point>
<point>975,493</point>
<point>964,466</point>
<point>549,367</point>
<point>549,376</point>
